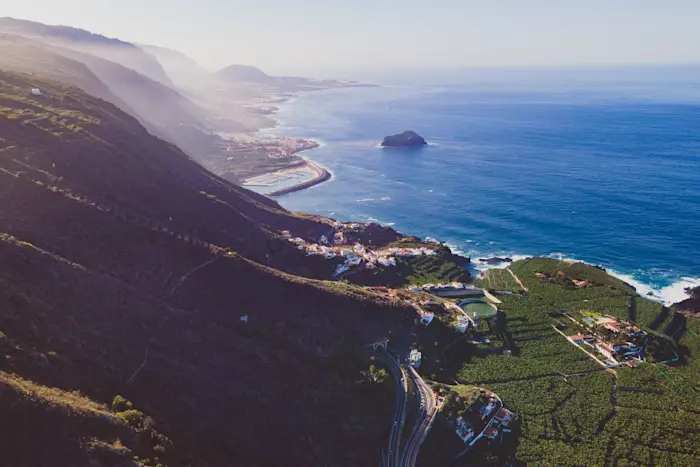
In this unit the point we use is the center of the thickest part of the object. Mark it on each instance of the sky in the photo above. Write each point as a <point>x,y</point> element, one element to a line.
<point>303,35</point>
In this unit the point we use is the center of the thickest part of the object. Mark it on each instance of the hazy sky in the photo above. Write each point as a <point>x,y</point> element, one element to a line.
<point>286,35</point>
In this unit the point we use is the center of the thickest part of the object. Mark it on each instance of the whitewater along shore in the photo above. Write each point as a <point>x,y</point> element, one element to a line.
<point>320,175</point>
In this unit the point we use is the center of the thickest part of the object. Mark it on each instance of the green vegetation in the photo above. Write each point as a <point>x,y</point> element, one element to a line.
<point>377,375</point>
<point>573,411</point>
<point>119,404</point>
<point>429,269</point>
<point>497,279</point>
<point>413,270</point>
<point>457,399</point>
<point>71,401</point>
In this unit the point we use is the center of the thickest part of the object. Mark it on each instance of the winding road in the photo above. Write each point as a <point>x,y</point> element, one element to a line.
<point>426,416</point>
<point>393,453</point>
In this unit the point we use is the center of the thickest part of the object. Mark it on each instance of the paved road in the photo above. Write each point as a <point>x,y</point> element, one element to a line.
<point>428,411</point>
<point>393,453</point>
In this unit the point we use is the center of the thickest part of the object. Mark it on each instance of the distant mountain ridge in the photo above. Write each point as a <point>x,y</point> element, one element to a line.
<point>245,74</point>
<point>119,51</point>
<point>184,71</point>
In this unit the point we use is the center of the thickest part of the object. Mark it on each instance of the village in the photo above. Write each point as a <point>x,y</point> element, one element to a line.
<point>356,256</point>
<point>273,147</point>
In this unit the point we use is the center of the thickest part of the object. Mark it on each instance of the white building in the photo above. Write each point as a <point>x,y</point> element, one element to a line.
<point>462,324</point>
<point>36,92</point>
<point>414,358</point>
<point>463,430</point>
<point>606,350</point>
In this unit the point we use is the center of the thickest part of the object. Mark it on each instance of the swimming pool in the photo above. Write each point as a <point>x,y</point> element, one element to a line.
<point>479,308</point>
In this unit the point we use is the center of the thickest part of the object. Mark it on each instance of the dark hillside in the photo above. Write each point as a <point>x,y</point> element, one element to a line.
<point>89,148</point>
<point>118,277</point>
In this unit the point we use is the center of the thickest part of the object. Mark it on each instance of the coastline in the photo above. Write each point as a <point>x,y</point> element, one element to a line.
<point>660,286</point>
<point>320,176</point>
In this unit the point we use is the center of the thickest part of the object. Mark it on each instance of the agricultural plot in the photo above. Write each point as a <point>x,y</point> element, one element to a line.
<point>573,411</point>
<point>498,279</point>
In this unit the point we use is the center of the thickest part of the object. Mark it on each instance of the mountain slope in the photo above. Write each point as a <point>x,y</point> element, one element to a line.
<point>162,110</point>
<point>181,69</point>
<point>245,74</point>
<point>118,51</point>
<point>28,56</point>
<point>118,277</point>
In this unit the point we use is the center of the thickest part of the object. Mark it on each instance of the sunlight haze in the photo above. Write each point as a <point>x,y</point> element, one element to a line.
<point>286,36</point>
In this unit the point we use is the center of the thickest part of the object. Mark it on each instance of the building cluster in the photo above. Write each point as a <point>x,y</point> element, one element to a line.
<point>464,430</point>
<point>499,423</point>
<point>496,418</point>
<point>273,146</point>
<point>440,287</point>
<point>561,274</point>
<point>618,345</point>
<point>355,256</point>
<point>422,251</point>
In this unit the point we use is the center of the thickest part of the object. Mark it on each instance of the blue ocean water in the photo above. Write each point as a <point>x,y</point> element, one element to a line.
<point>596,165</point>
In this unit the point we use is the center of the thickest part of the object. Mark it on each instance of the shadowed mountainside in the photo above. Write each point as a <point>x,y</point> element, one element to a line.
<point>125,269</point>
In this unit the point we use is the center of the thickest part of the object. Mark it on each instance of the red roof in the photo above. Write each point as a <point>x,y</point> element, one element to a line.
<point>490,432</point>
<point>503,413</point>
<point>577,337</point>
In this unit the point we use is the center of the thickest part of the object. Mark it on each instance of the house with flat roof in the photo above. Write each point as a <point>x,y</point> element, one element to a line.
<point>414,358</point>
<point>606,350</point>
<point>577,339</point>
<point>462,324</point>
<point>427,317</point>
<point>504,416</point>
<point>463,430</point>
<point>614,327</point>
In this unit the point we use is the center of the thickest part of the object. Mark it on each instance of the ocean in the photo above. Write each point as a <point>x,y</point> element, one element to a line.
<point>598,165</point>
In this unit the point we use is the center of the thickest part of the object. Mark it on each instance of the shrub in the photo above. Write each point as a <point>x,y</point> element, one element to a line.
<point>119,404</point>
<point>159,450</point>
<point>135,418</point>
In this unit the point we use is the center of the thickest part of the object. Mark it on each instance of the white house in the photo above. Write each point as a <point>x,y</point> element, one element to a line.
<point>36,92</point>
<point>462,324</point>
<point>414,358</point>
<point>606,350</point>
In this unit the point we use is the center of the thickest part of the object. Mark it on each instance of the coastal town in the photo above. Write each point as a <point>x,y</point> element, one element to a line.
<point>356,256</point>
